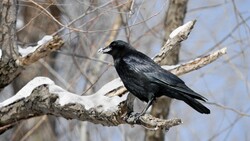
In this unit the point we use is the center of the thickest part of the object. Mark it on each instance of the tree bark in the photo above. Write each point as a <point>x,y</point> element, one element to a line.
<point>8,68</point>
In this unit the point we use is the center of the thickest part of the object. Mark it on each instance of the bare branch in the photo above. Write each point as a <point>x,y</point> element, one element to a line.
<point>231,109</point>
<point>196,63</point>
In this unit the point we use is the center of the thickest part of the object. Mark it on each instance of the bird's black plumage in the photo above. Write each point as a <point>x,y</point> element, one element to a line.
<point>147,80</point>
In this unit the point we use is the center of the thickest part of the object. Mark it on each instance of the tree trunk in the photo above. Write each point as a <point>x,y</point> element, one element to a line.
<point>8,68</point>
<point>174,17</point>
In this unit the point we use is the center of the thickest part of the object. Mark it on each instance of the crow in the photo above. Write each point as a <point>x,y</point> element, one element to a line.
<point>146,80</point>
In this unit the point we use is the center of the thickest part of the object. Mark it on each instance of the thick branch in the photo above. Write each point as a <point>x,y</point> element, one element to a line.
<point>41,96</point>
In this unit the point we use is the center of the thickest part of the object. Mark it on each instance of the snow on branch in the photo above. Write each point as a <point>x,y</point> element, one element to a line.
<point>42,97</point>
<point>44,47</point>
<point>176,37</point>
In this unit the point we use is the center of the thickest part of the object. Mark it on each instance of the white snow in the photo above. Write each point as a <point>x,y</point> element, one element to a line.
<point>0,53</point>
<point>44,40</point>
<point>25,51</point>
<point>179,29</point>
<point>19,23</point>
<point>167,67</point>
<point>98,100</point>
<point>27,89</point>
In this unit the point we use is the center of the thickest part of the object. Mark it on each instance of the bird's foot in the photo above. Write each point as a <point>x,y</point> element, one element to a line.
<point>137,116</point>
<point>133,118</point>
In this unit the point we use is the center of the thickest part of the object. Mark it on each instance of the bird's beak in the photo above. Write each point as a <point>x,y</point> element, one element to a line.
<point>104,50</point>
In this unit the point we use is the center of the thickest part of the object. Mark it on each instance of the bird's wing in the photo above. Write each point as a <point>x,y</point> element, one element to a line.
<point>143,65</point>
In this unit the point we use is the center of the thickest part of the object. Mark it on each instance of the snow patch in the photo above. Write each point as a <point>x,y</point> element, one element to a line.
<point>66,97</point>
<point>98,100</point>
<point>179,29</point>
<point>27,90</point>
<point>167,67</point>
<point>19,23</point>
<point>44,40</point>
<point>25,51</point>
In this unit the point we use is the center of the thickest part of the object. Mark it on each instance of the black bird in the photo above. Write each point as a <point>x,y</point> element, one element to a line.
<point>147,80</point>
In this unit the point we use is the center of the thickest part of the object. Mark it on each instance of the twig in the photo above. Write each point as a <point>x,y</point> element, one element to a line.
<point>229,108</point>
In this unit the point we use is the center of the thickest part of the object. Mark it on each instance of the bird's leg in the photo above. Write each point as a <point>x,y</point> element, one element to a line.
<point>144,110</point>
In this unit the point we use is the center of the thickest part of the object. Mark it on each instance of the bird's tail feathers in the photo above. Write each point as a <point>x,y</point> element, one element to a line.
<point>184,89</point>
<point>195,104</point>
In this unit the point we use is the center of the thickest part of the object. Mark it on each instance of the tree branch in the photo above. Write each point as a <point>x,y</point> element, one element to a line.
<point>175,38</point>
<point>42,97</point>
<point>196,63</point>
<point>44,47</point>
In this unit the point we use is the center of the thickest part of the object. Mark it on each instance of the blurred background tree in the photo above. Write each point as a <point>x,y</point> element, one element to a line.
<point>88,25</point>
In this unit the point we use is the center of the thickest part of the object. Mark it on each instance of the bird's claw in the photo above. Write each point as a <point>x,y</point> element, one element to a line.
<point>137,116</point>
<point>133,118</point>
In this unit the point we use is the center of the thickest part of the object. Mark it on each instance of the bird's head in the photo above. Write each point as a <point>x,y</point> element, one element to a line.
<point>116,48</point>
